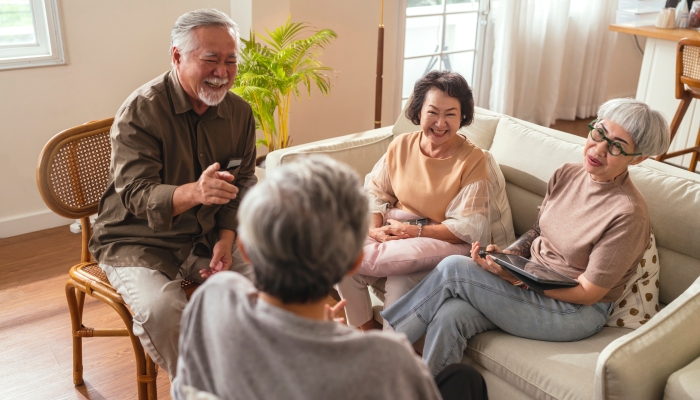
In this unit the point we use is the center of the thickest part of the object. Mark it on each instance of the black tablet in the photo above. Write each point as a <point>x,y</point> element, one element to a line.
<point>534,275</point>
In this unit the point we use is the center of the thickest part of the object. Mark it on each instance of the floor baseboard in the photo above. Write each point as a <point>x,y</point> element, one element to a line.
<point>19,225</point>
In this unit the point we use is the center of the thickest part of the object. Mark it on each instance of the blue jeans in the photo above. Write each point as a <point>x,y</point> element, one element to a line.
<point>459,299</point>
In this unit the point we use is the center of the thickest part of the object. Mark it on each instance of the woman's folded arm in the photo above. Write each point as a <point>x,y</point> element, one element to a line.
<point>467,215</point>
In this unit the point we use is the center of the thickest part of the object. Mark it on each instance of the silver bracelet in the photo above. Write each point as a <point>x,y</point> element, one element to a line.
<point>420,229</point>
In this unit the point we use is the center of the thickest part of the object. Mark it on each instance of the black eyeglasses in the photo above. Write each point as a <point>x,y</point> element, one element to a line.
<point>614,148</point>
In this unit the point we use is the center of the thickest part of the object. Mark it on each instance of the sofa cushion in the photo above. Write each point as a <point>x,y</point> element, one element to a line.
<point>480,131</point>
<point>360,151</point>
<point>533,151</point>
<point>543,370</point>
<point>483,129</point>
<point>638,365</point>
<point>640,299</point>
<point>528,155</point>
<point>501,219</point>
<point>673,197</point>
<point>684,384</point>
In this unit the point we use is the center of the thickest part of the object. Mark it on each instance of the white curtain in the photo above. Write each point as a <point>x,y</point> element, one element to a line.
<point>551,58</point>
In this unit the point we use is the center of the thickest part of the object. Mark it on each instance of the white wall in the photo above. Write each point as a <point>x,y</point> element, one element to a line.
<point>112,47</point>
<point>625,67</point>
<point>350,106</point>
<point>269,14</point>
<point>242,14</point>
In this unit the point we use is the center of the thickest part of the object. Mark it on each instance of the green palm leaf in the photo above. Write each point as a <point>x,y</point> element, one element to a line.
<point>270,72</point>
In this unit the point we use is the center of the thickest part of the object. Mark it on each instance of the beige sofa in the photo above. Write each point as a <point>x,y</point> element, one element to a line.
<point>659,360</point>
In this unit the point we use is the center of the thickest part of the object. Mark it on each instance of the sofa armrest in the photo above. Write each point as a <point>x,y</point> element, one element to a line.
<point>359,150</point>
<point>684,384</point>
<point>637,365</point>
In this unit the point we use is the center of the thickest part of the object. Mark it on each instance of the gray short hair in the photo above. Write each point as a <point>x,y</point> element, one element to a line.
<point>647,127</point>
<point>303,227</point>
<point>181,35</point>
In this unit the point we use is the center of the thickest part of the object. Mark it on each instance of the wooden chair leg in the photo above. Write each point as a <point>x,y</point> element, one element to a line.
<point>80,296</point>
<point>76,324</point>
<point>676,123</point>
<point>140,357</point>
<point>694,158</point>
<point>146,369</point>
<point>150,378</point>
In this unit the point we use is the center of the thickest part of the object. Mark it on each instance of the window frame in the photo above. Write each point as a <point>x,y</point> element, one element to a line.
<point>481,30</point>
<point>48,49</point>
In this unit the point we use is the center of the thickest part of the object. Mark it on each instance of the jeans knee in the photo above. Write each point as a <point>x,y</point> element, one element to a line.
<point>457,265</point>
<point>454,314</point>
<point>452,263</point>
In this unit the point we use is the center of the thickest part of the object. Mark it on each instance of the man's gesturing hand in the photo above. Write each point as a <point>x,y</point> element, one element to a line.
<point>214,186</point>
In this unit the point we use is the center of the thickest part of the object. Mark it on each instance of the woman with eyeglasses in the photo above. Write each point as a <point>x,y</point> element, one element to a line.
<point>593,226</point>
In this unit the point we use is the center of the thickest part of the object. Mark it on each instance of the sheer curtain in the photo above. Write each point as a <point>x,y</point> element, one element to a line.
<point>551,58</point>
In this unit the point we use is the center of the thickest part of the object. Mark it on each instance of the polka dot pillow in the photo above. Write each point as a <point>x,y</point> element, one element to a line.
<point>640,300</point>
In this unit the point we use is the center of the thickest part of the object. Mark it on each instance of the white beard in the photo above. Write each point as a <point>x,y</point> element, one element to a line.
<point>210,96</point>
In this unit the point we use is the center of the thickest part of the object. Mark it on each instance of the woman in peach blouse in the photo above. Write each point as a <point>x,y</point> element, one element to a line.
<point>429,197</point>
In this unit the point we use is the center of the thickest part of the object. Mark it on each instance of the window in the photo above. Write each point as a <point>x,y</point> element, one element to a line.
<point>441,35</point>
<point>29,34</point>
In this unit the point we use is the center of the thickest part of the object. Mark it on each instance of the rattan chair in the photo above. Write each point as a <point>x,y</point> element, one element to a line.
<point>687,89</point>
<point>72,175</point>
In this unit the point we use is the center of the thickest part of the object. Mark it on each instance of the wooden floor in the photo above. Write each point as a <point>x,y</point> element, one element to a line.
<point>578,127</point>
<point>35,341</point>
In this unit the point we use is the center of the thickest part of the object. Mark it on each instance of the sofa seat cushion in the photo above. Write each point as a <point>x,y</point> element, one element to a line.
<point>543,370</point>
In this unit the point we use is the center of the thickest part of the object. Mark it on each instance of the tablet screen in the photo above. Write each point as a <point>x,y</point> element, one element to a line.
<point>536,271</point>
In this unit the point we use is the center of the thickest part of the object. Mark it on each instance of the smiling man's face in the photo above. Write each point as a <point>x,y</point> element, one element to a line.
<point>209,70</point>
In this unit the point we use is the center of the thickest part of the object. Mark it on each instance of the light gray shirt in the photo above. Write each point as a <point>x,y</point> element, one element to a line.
<point>239,347</point>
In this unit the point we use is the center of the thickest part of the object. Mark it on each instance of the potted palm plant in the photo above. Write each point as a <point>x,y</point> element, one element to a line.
<point>270,73</point>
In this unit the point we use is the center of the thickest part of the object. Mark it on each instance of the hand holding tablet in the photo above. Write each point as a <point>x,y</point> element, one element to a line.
<point>534,275</point>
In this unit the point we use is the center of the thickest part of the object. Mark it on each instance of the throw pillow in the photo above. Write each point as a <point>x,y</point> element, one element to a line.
<point>640,300</point>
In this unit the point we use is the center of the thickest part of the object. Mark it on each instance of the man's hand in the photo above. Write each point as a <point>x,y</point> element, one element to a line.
<point>221,259</point>
<point>214,186</point>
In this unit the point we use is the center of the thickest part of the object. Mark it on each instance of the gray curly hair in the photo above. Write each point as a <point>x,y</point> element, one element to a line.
<point>303,227</point>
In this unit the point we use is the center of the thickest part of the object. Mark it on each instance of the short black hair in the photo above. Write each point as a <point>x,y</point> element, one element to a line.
<point>449,82</point>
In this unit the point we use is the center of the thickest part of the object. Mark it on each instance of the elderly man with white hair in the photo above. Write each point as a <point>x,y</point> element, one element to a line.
<point>303,230</point>
<point>183,156</point>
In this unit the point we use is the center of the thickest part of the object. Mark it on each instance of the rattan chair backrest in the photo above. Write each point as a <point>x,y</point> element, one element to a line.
<point>74,167</point>
<point>687,66</point>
